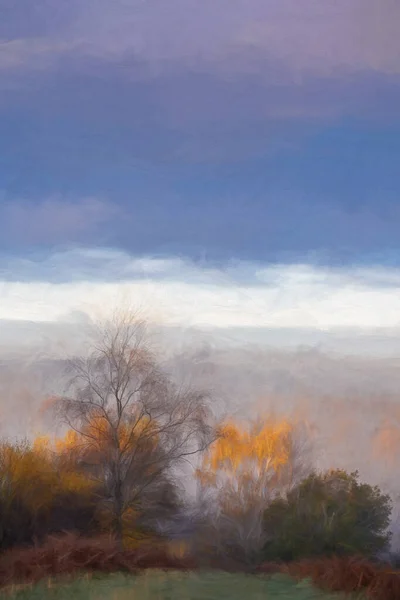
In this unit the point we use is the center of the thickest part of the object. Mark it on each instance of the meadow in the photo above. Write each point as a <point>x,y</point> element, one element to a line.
<point>159,585</point>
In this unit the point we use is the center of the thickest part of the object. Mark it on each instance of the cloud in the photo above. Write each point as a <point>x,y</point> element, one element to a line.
<point>194,60</point>
<point>183,293</point>
<point>53,220</point>
<point>347,34</point>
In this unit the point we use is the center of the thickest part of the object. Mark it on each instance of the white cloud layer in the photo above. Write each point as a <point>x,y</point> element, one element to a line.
<point>179,292</point>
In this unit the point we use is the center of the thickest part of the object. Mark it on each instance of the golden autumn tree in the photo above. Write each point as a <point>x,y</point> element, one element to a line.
<point>244,470</point>
<point>133,425</point>
<point>63,455</point>
<point>82,460</point>
<point>35,483</point>
<point>26,490</point>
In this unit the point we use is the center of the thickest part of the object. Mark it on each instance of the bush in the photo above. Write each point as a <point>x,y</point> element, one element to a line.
<point>72,554</point>
<point>38,496</point>
<point>327,514</point>
<point>351,575</point>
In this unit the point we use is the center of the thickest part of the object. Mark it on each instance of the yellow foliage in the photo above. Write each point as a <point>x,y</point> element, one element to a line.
<point>29,474</point>
<point>42,444</point>
<point>72,481</point>
<point>36,473</point>
<point>259,448</point>
<point>68,442</point>
<point>245,465</point>
<point>101,433</point>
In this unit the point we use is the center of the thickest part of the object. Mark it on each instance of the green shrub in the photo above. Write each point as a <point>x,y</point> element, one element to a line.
<point>327,514</point>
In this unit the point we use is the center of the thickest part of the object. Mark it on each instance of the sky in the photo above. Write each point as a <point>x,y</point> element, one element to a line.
<point>232,163</point>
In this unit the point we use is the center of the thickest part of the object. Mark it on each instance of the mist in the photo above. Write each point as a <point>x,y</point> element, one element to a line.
<point>349,400</point>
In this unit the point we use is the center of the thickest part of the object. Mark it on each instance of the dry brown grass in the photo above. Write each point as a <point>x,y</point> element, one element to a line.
<point>351,575</point>
<point>68,554</point>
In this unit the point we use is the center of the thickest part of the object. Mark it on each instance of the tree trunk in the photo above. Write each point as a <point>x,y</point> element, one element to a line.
<point>117,520</point>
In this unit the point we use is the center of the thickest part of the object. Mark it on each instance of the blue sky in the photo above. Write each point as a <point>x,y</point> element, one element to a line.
<point>259,132</point>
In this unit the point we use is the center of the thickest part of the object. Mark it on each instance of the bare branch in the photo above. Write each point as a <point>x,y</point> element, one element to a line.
<point>134,424</point>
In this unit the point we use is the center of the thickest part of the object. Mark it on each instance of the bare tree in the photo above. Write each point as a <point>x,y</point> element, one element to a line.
<point>134,424</point>
<point>241,480</point>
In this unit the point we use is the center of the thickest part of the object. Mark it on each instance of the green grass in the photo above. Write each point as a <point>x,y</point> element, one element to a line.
<point>157,585</point>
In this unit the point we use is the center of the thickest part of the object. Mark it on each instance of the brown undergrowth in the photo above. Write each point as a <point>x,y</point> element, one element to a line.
<point>351,575</point>
<point>68,554</point>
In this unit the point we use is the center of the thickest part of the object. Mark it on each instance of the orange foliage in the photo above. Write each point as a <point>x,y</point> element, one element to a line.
<point>101,440</point>
<point>38,473</point>
<point>25,473</point>
<point>252,452</point>
<point>386,442</point>
<point>101,434</point>
<point>69,442</point>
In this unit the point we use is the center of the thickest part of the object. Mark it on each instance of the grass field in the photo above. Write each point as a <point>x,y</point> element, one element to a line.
<point>158,585</point>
